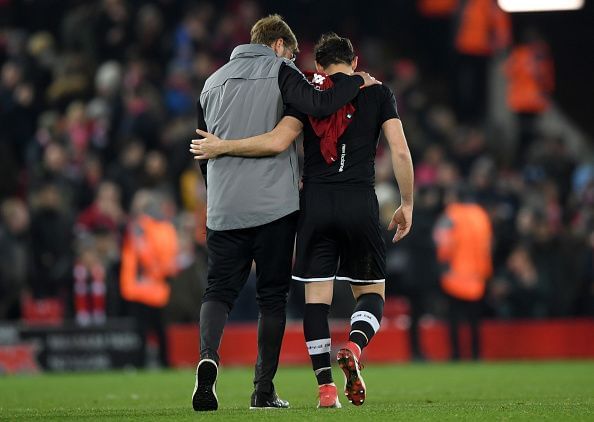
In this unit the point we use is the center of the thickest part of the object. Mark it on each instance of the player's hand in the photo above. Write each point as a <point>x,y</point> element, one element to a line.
<point>368,80</point>
<point>210,146</point>
<point>402,221</point>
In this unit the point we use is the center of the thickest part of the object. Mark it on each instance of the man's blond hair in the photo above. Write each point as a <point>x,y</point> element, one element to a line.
<point>269,29</point>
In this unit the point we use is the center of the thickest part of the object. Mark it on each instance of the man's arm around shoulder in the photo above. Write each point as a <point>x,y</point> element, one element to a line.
<point>297,92</point>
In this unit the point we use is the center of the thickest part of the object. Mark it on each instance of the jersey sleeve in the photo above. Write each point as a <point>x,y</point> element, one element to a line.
<point>293,112</point>
<point>388,108</point>
<point>299,93</point>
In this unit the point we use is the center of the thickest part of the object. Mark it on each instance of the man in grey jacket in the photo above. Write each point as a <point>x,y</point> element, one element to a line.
<point>253,202</point>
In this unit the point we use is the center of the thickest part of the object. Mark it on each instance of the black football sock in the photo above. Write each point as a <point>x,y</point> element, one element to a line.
<point>366,319</point>
<point>317,339</point>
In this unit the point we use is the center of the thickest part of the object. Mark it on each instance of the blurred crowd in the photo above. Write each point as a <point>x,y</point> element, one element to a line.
<point>97,106</point>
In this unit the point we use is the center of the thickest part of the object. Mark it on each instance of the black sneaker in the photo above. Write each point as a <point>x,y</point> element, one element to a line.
<point>267,401</point>
<point>205,393</point>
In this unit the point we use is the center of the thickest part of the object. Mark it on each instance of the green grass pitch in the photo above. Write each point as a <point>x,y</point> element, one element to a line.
<point>555,391</point>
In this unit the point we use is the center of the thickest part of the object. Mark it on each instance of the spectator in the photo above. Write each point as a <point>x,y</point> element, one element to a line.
<point>51,245</point>
<point>113,30</point>
<point>483,29</point>
<point>415,275</point>
<point>89,284</point>
<point>89,181</point>
<point>105,212</point>
<point>155,172</point>
<point>149,256</point>
<point>520,291</point>
<point>14,256</point>
<point>531,81</point>
<point>150,38</point>
<point>127,171</point>
<point>188,285</point>
<point>463,236</point>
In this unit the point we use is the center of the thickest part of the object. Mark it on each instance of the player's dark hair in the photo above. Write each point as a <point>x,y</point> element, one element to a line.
<point>332,49</point>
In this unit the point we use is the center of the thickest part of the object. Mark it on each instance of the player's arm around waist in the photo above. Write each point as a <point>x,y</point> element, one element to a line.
<point>266,144</point>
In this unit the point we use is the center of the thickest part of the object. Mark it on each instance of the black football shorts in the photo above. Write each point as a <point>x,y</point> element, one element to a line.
<point>339,236</point>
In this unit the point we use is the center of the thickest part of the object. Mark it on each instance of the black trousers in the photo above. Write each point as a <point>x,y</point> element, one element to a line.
<point>416,312</point>
<point>149,318</point>
<point>463,310</point>
<point>230,257</point>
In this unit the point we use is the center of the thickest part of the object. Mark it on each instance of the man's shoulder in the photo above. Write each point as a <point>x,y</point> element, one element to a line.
<point>381,91</point>
<point>216,78</point>
<point>261,66</point>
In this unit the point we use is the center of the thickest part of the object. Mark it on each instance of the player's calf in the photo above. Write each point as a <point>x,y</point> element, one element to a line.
<point>366,319</point>
<point>317,340</point>
<point>365,322</point>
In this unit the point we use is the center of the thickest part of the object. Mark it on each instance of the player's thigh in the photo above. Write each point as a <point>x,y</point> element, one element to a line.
<point>363,289</point>
<point>319,291</point>
<point>362,247</point>
<point>316,254</point>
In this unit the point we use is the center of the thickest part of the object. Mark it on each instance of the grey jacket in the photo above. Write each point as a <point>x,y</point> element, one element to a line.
<point>240,100</point>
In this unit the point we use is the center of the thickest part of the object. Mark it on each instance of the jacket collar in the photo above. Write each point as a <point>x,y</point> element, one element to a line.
<point>252,50</point>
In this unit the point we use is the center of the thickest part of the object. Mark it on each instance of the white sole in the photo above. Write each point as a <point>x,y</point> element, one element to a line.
<point>337,405</point>
<point>213,388</point>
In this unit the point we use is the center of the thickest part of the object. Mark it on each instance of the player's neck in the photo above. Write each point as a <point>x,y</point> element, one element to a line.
<point>338,68</point>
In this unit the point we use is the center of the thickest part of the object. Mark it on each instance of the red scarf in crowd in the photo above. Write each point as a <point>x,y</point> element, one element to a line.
<point>329,128</point>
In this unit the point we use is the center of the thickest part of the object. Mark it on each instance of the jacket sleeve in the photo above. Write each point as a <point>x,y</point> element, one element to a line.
<point>299,93</point>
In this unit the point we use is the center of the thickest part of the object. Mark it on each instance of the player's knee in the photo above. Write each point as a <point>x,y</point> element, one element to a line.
<point>319,292</point>
<point>377,288</point>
